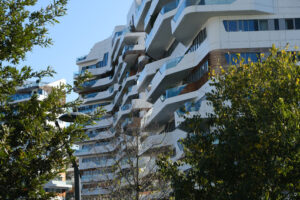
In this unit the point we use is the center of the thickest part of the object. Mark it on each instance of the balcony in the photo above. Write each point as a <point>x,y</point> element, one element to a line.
<point>130,38</point>
<point>198,107</point>
<point>21,97</point>
<point>96,84</point>
<point>97,96</point>
<point>94,191</point>
<point>80,59</point>
<point>97,178</point>
<point>90,109</point>
<point>98,148</point>
<point>102,123</point>
<point>131,52</point>
<point>140,14</point>
<point>131,93</point>
<point>164,140</point>
<point>147,74</point>
<point>172,99</point>
<point>100,135</point>
<point>161,36</point>
<point>174,70</point>
<point>193,14</point>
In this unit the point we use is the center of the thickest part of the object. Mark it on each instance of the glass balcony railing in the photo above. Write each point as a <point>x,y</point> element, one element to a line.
<point>169,7</point>
<point>142,75</point>
<point>189,107</point>
<point>89,96</point>
<point>172,92</point>
<point>170,64</point>
<point>91,108</point>
<point>127,48</point>
<point>139,9</point>
<point>89,83</point>
<point>111,89</point>
<point>81,58</point>
<point>18,97</point>
<point>188,3</point>
<point>126,122</point>
<point>126,107</point>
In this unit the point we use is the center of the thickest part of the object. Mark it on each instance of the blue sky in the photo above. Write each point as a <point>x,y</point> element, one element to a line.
<point>87,22</point>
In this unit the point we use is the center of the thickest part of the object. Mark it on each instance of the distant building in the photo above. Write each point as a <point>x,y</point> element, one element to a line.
<point>59,185</point>
<point>154,69</point>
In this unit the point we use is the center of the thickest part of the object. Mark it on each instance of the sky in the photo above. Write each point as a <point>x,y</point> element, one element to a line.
<point>86,22</point>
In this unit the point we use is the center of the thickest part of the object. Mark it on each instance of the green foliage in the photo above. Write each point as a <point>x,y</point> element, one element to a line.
<point>250,149</point>
<point>33,150</point>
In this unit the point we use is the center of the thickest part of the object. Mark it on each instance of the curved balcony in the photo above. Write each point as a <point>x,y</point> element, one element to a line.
<point>97,96</point>
<point>175,69</point>
<point>97,178</point>
<point>198,107</point>
<point>164,140</point>
<point>97,84</point>
<point>103,123</point>
<point>126,39</point>
<point>193,14</point>
<point>95,191</point>
<point>95,135</point>
<point>131,52</point>
<point>140,14</point>
<point>21,97</point>
<point>131,93</point>
<point>161,36</point>
<point>131,80</point>
<point>98,148</point>
<point>172,99</point>
<point>96,164</point>
<point>145,77</point>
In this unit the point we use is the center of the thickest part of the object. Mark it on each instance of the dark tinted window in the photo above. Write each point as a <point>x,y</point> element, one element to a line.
<point>276,24</point>
<point>256,25</point>
<point>263,25</point>
<point>246,26</point>
<point>297,23</point>
<point>289,24</point>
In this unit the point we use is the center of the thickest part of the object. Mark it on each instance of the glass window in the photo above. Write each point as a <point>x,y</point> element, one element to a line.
<point>246,26</point>
<point>256,25</point>
<point>241,27</point>
<point>251,25</point>
<point>263,25</point>
<point>289,24</point>
<point>225,22</point>
<point>232,25</point>
<point>297,23</point>
<point>276,24</point>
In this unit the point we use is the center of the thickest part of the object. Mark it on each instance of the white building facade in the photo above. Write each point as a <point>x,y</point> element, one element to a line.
<point>152,70</point>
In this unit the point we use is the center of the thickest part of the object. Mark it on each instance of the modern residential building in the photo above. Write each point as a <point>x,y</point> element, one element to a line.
<point>155,68</point>
<point>59,185</point>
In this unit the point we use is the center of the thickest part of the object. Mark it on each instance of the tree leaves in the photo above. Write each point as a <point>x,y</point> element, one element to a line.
<point>252,149</point>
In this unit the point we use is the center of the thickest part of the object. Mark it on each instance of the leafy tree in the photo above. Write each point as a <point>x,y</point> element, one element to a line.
<point>249,147</point>
<point>32,149</point>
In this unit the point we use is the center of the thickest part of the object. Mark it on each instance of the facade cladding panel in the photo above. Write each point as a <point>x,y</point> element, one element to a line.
<point>148,86</point>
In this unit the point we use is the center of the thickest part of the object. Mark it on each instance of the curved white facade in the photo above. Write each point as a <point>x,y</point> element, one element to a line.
<point>156,67</point>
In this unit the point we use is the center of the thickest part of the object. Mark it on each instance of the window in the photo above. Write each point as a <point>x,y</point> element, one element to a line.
<point>251,25</point>
<point>289,24</point>
<point>297,23</point>
<point>263,25</point>
<point>276,24</point>
<point>232,26</point>
<point>246,25</point>
<point>251,56</point>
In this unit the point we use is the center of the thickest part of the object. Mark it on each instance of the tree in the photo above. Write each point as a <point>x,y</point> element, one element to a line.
<point>249,147</point>
<point>134,172</point>
<point>32,149</point>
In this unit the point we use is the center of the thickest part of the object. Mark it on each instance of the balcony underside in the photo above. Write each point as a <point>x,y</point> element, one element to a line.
<point>193,18</point>
<point>162,37</point>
